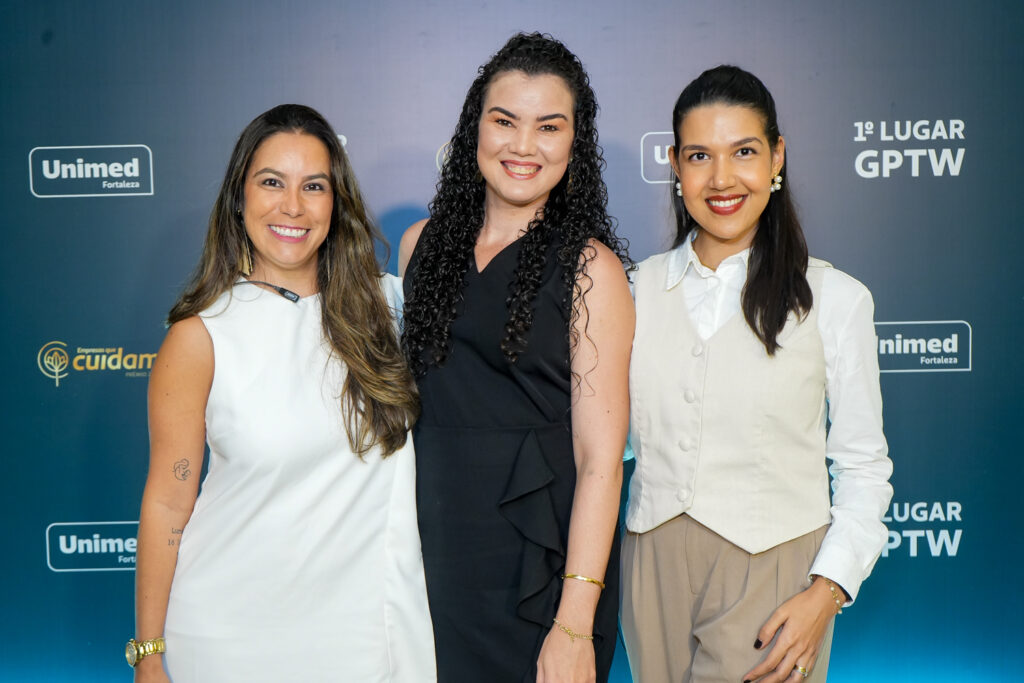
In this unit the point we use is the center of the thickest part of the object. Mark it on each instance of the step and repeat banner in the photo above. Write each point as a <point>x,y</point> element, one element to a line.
<point>902,123</point>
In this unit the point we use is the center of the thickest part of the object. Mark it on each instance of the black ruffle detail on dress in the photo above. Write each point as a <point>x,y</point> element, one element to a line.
<point>527,504</point>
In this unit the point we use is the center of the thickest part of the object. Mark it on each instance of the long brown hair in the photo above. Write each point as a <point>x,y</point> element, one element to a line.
<point>378,397</point>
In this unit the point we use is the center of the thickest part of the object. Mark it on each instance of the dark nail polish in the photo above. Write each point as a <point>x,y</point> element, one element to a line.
<point>757,646</point>
<point>746,680</point>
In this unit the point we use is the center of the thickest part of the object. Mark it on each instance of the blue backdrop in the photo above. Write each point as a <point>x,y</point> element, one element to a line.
<point>901,122</point>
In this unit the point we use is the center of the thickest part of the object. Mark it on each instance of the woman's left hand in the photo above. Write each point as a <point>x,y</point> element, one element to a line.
<point>563,660</point>
<point>801,623</point>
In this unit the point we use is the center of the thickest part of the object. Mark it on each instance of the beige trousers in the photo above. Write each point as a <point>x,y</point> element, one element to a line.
<point>693,603</point>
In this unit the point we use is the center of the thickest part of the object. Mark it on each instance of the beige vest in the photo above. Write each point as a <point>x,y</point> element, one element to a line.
<point>721,430</point>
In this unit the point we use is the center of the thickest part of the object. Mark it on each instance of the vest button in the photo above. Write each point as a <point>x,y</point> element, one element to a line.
<point>698,349</point>
<point>683,495</point>
<point>690,396</point>
<point>686,443</point>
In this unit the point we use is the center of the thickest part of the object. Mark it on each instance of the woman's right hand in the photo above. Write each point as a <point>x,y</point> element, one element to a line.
<point>151,670</point>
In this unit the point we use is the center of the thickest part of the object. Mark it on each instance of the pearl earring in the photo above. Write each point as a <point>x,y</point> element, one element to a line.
<point>776,183</point>
<point>679,189</point>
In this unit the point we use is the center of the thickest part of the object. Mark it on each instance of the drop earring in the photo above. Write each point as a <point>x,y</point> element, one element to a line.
<point>245,261</point>
<point>776,183</point>
<point>679,189</point>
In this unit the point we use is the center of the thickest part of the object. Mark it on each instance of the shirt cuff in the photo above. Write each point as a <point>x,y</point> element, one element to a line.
<point>839,566</point>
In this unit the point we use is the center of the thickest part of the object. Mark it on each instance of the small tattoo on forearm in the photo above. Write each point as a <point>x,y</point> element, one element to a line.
<point>181,470</point>
<point>175,531</point>
<point>170,541</point>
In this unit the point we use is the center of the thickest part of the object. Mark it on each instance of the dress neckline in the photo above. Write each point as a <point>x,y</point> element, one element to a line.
<point>487,266</point>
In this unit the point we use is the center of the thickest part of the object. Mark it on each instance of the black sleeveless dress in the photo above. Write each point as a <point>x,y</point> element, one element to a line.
<point>495,482</point>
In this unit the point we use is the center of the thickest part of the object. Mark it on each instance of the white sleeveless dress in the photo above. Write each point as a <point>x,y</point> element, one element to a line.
<point>301,561</point>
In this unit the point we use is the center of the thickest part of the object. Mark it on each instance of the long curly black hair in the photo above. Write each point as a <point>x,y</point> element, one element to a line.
<point>574,214</point>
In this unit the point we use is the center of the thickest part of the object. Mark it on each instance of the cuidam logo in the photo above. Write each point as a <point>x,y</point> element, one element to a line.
<point>924,346</point>
<point>57,361</point>
<point>97,171</point>
<point>654,155</point>
<point>91,546</point>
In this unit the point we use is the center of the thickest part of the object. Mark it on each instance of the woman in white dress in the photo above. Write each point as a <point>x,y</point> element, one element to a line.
<point>299,560</point>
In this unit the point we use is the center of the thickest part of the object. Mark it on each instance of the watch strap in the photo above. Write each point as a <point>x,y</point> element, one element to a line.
<point>144,648</point>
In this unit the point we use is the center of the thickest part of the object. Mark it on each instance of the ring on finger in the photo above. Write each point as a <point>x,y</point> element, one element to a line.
<point>802,670</point>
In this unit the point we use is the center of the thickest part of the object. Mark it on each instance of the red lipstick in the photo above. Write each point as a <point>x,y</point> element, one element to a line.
<point>726,205</point>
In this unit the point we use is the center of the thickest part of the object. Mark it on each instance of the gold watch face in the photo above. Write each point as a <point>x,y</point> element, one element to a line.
<point>131,653</point>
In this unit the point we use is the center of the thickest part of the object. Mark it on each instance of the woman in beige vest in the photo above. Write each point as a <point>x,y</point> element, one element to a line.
<point>737,560</point>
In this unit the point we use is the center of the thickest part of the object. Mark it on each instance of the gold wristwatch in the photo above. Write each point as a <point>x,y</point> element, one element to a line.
<point>136,651</point>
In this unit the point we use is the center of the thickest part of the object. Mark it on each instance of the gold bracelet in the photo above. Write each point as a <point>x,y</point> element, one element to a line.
<point>578,577</point>
<point>569,632</point>
<point>835,595</point>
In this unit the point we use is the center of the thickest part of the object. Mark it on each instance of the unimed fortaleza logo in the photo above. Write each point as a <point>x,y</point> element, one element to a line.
<point>90,171</point>
<point>91,546</point>
<point>924,346</point>
<point>57,361</point>
<point>654,157</point>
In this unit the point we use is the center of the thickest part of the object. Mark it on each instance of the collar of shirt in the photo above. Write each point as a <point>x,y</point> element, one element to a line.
<point>711,297</point>
<point>683,258</point>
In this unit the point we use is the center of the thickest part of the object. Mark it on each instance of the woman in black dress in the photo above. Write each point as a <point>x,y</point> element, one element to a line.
<point>518,327</point>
